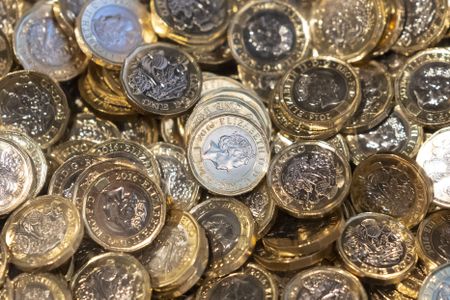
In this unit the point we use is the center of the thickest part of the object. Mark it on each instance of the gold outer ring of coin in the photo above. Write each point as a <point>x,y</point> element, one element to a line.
<point>288,202</point>
<point>381,274</point>
<point>245,243</point>
<point>348,282</point>
<point>66,150</point>
<point>11,10</point>
<point>146,104</point>
<point>353,47</point>
<point>57,207</point>
<point>435,283</point>
<point>406,87</point>
<point>124,262</point>
<point>408,173</point>
<point>53,287</point>
<point>84,125</point>
<point>237,42</point>
<point>89,43</point>
<point>6,54</point>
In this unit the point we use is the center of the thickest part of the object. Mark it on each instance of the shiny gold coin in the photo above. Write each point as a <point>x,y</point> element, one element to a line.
<point>43,234</point>
<point>394,185</point>
<point>309,179</point>
<point>215,82</point>
<point>66,13</point>
<point>40,286</point>
<point>140,130</point>
<point>435,285</point>
<point>87,126</point>
<point>6,55</point>
<point>212,58</point>
<point>112,80</point>
<point>230,230</point>
<point>410,286</point>
<point>112,275</point>
<point>377,247</point>
<point>395,19</point>
<point>66,150</point>
<point>263,85</point>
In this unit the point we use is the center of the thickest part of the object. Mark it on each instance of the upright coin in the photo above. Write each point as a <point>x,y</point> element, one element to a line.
<point>161,79</point>
<point>377,247</point>
<point>436,284</point>
<point>40,286</point>
<point>6,55</point>
<point>35,103</point>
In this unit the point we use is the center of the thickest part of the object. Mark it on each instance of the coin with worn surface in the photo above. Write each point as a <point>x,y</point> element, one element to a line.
<point>230,230</point>
<point>348,29</point>
<point>66,13</point>
<point>422,88</point>
<point>66,150</point>
<point>251,282</point>
<point>177,181</point>
<point>131,23</point>
<point>309,179</point>
<point>161,79</point>
<point>6,55</point>
<point>9,14</point>
<point>43,286</point>
<point>123,209</point>
<point>394,185</point>
<point>112,276</point>
<point>87,126</point>
<point>323,283</point>
<point>395,134</point>
<point>43,234</point>
<point>268,37</point>
<point>437,284</point>
<point>35,103</point>
<point>229,155</point>
<point>377,247</point>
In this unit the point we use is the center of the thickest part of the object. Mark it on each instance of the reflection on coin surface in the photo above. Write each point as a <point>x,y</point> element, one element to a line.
<point>228,154</point>
<point>436,285</point>
<point>43,286</point>
<point>6,55</point>
<point>66,150</point>
<point>324,283</point>
<point>44,233</point>
<point>87,126</point>
<point>9,13</point>
<point>378,247</point>
<point>309,179</point>
<point>161,79</point>
<point>112,276</point>
<point>35,103</point>
<point>393,185</point>
<point>139,130</point>
<point>66,12</point>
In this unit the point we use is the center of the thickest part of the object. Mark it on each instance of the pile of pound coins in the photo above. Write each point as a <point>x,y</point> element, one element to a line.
<point>224,149</point>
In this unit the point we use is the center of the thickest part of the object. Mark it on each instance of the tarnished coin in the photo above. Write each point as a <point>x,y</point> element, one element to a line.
<point>161,79</point>
<point>426,23</point>
<point>123,209</point>
<point>394,185</point>
<point>87,126</point>
<point>9,14</point>
<point>43,286</point>
<point>179,252</point>
<point>268,37</point>
<point>251,282</point>
<point>130,21</point>
<point>309,179</point>
<point>395,134</point>
<point>66,13</point>
<point>230,230</point>
<point>229,155</point>
<point>66,150</point>
<point>422,88</point>
<point>348,29</point>
<point>140,130</point>
<point>377,247</point>
<point>6,55</point>
<point>436,284</point>
<point>43,234</point>
<point>322,283</point>
<point>35,103</point>
<point>17,176</point>
<point>41,45</point>
<point>112,276</point>
<point>178,183</point>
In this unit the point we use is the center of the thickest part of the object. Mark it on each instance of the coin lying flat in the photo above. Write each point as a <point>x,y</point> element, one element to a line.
<point>139,130</point>
<point>377,247</point>
<point>230,231</point>
<point>40,286</point>
<point>6,55</point>
<point>394,185</point>
<point>35,103</point>
<point>112,275</point>
<point>309,179</point>
<point>435,285</point>
<point>87,126</point>
<point>323,282</point>
<point>66,150</point>
<point>43,234</point>
<point>161,79</point>
<point>215,82</point>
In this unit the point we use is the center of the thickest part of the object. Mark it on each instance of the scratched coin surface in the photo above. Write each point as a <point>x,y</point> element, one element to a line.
<point>6,55</point>
<point>44,286</point>
<point>378,247</point>
<point>436,285</point>
<point>161,79</point>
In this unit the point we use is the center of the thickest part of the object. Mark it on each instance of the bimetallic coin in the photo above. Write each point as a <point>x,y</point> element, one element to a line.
<point>6,55</point>
<point>437,284</point>
<point>170,132</point>
<point>43,286</point>
<point>309,179</point>
<point>229,155</point>
<point>36,104</point>
<point>230,230</point>
<point>140,130</point>
<point>268,37</point>
<point>394,185</point>
<point>112,276</point>
<point>377,247</point>
<point>322,283</point>
<point>87,126</point>
<point>161,79</point>
<point>66,13</point>
<point>215,82</point>
<point>43,234</point>
<point>123,210</point>
<point>66,150</point>
<point>410,286</point>
<point>130,21</point>
<point>9,14</point>
<point>422,88</point>
<point>348,29</point>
